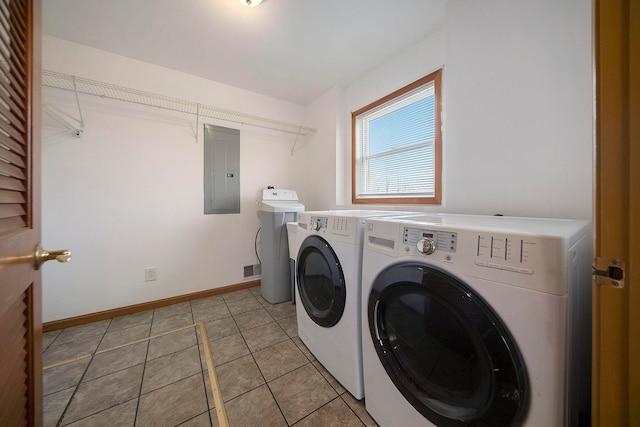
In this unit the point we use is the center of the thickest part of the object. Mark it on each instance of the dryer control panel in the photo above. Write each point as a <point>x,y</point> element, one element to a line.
<point>334,228</point>
<point>318,222</point>
<point>443,240</point>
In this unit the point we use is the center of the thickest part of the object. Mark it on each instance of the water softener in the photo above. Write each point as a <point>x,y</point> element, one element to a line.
<point>276,209</point>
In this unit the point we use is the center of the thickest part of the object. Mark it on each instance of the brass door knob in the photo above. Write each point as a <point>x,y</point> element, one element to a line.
<point>41,256</point>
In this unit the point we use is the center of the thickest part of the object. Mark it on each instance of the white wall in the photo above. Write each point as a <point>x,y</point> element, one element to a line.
<point>128,194</point>
<point>517,88</point>
<point>319,165</point>
<point>519,107</point>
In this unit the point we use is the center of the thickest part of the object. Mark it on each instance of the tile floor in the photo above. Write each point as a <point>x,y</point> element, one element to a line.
<point>266,374</point>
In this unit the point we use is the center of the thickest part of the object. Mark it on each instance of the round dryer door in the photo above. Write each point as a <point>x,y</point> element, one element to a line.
<point>320,281</point>
<point>445,349</point>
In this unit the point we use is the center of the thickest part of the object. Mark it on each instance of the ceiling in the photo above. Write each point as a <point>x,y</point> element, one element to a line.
<point>294,50</point>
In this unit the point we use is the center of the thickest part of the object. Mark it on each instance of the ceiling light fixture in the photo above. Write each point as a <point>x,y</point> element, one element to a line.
<point>251,3</point>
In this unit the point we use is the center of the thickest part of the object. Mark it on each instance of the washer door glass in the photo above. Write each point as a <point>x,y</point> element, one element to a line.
<point>320,281</point>
<point>445,349</point>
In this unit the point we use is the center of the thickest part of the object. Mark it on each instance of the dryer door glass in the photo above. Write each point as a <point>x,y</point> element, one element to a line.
<point>445,349</point>
<point>320,281</point>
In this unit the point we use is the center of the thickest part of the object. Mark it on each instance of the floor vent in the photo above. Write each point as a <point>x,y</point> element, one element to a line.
<point>251,270</point>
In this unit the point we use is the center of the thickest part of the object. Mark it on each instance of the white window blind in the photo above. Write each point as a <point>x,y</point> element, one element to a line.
<point>395,147</point>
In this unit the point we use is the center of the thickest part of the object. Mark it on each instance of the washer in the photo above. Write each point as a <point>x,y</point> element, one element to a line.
<point>328,269</point>
<point>477,320</point>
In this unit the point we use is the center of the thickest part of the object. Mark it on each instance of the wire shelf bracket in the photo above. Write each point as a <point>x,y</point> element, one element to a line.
<point>106,90</point>
<point>65,120</point>
<point>76,126</point>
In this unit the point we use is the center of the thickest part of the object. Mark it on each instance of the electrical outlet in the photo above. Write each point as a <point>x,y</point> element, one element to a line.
<point>150,274</point>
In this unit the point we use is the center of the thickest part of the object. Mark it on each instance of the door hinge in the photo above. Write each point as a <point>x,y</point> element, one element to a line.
<point>608,272</point>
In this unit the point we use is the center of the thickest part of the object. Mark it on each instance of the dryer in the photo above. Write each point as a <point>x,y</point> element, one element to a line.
<point>477,320</point>
<point>328,269</point>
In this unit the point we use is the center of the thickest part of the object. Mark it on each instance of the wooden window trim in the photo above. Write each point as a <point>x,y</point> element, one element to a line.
<point>436,77</point>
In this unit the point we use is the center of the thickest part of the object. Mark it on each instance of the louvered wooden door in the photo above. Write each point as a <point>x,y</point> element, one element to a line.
<point>20,285</point>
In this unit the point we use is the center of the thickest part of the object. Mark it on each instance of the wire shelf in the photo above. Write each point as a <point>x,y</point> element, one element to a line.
<point>107,90</point>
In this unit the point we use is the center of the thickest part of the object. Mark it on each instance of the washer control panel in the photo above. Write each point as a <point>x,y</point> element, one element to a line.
<point>428,241</point>
<point>524,253</point>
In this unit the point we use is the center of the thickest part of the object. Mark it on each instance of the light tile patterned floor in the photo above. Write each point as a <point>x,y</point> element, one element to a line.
<point>266,374</point>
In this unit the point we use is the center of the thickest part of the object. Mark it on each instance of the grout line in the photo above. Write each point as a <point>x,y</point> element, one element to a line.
<point>221,412</point>
<point>64,362</point>
<point>215,385</point>
<point>84,373</point>
<point>216,390</point>
<point>144,368</point>
<point>252,353</point>
<point>201,352</point>
<point>146,339</point>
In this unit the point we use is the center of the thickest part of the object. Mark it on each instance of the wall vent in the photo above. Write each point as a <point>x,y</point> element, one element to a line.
<point>251,270</point>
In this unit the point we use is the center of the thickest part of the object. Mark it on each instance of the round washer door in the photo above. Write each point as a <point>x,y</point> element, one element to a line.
<point>445,349</point>
<point>320,281</point>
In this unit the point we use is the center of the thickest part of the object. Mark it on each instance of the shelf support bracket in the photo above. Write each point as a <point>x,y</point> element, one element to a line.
<point>296,140</point>
<point>58,116</point>
<point>75,90</point>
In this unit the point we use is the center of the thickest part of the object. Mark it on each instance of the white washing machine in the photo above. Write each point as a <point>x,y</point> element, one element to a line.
<point>477,320</point>
<point>328,269</point>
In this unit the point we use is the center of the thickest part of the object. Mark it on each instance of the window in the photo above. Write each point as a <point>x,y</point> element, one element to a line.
<point>397,145</point>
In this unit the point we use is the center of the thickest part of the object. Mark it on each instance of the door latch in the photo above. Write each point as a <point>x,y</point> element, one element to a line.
<point>609,272</point>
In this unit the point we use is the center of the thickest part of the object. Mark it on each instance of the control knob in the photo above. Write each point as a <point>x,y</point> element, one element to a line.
<point>426,246</point>
<point>315,226</point>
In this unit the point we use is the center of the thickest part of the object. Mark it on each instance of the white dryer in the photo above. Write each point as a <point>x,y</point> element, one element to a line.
<point>477,320</point>
<point>328,269</point>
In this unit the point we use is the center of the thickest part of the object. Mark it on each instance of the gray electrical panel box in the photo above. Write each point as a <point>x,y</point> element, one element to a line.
<point>221,170</point>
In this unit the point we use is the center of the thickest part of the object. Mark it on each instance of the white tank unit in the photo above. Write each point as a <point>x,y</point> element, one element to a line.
<point>277,207</point>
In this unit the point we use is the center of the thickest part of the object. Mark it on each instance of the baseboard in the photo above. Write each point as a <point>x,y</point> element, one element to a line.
<point>130,309</point>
